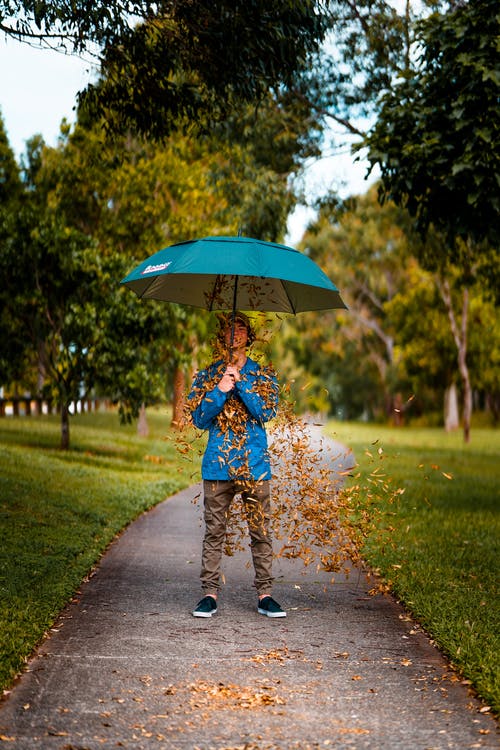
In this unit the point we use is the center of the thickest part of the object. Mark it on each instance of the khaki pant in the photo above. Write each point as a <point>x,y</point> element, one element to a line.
<point>218,496</point>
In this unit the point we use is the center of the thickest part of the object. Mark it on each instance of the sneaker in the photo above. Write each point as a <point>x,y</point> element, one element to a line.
<point>270,608</point>
<point>206,607</point>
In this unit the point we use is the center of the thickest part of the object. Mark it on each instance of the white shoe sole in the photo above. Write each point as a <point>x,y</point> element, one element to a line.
<point>204,614</point>
<point>271,614</point>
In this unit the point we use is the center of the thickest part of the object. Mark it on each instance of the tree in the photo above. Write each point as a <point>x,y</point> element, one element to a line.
<point>172,60</point>
<point>136,196</point>
<point>424,345</point>
<point>440,337</point>
<point>10,181</point>
<point>437,136</point>
<point>369,43</point>
<point>436,142</point>
<point>12,350</point>
<point>409,334</point>
<point>97,206</point>
<point>416,86</point>
<point>364,249</point>
<point>485,354</point>
<point>57,280</point>
<point>74,26</point>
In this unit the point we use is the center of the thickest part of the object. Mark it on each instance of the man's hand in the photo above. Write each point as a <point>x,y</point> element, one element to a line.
<point>229,378</point>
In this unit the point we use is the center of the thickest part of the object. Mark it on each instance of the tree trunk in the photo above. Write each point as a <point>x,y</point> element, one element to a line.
<point>179,400</point>
<point>451,421</point>
<point>40,375</point>
<point>397,410</point>
<point>460,336</point>
<point>142,423</point>
<point>64,427</point>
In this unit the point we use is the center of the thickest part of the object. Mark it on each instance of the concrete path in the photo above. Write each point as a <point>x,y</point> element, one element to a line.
<point>127,666</point>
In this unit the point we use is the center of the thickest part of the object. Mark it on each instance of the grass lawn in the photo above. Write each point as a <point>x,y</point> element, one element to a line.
<point>60,510</point>
<point>443,562</point>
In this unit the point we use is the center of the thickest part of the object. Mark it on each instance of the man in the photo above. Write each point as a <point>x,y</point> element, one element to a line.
<point>232,399</point>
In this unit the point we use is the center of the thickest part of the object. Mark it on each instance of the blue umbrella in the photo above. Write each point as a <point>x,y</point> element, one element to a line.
<point>230,273</point>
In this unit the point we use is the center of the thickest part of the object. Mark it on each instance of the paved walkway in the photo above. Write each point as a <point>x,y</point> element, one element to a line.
<point>127,666</point>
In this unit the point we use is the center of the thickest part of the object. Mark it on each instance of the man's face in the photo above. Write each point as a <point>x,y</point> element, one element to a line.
<point>240,335</point>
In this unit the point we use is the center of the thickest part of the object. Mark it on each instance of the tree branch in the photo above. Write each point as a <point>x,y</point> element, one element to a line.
<point>369,294</point>
<point>374,326</point>
<point>341,121</point>
<point>346,124</point>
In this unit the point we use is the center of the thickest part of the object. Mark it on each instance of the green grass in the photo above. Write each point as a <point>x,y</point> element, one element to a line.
<point>443,559</point>
<point>60,510</point>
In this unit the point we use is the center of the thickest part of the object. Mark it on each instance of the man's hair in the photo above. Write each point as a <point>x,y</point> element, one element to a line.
<point>226,319</point>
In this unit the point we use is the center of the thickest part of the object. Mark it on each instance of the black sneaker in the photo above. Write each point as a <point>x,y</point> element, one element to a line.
<point>206,607</point>
<point>270,608</point>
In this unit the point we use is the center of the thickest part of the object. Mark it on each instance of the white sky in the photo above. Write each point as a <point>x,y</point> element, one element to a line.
<point>38,89</point>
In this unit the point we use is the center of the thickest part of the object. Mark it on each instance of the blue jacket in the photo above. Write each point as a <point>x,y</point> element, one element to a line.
<point>237,441</point>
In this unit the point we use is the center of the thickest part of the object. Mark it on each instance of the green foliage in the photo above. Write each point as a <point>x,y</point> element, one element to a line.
<point>58,282</point>
<point>10,182</point>
<point>288,28</point>
<point>364,249</point>
<point>392,355</point>
<point>368,43</point>
<point>59,511</point>
<point>427,352</point>
<point>485,350</point>
<point>443,559</point>
<point>171,61</point>
<point>193,63</point>
<point>12,349</point>
<point>418,84</point>
<point>92,208</point>
<point>437,134</point>
<point>424,348</point>
<point>71,25</point>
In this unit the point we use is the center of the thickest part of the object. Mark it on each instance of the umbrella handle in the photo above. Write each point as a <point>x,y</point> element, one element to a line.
<point>233,317</point>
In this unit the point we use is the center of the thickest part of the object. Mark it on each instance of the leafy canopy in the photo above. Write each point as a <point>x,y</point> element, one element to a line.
<point>174,59</point>
<point>437,136</point>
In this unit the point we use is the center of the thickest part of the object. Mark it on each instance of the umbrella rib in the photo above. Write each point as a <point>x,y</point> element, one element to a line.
<point>151,280</point>
<point>289,300</point>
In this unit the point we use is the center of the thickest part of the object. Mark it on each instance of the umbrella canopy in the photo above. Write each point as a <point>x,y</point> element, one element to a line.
<point>229,273</point>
